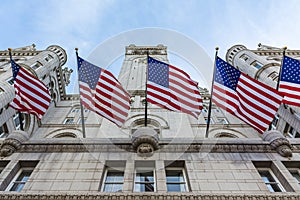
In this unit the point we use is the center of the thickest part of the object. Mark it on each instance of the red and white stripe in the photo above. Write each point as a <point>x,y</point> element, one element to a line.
<point>32,96</point>
<point>291,92</point>
<point>182,95</point>
<point>253,102</point>
<point>109,99</point>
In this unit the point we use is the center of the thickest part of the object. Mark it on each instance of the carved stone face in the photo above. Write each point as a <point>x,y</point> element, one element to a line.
<point>145,150</point>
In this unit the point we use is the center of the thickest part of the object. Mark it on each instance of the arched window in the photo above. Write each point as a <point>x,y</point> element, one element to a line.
<point>65,135</point>
<point>141,123</point>
<point>225,135</point>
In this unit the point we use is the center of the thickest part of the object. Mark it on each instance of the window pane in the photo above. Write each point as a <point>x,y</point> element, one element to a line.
<point>176,187</point>
<point>144,187</point>
<point>24,176</point>
<point>296,176</point>
<point>21,180</point>
<point>275,188</point>
<point>144,177</point>
<point>174,176</point>
<point>114,176</point>
<point>17,187</point>
<point>113,187</point>
<point>266,176</point>
<point>270,181</point>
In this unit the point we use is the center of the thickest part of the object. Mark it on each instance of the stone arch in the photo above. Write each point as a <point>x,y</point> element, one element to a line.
<point>155,122</point>
<point>225,133</point>
<point>65,133</point>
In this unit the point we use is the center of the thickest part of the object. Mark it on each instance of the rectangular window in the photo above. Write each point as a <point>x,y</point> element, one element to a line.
<point>21,178</point>
<point>295,173</point>
<point>36,65</point>
<point>273,75</point>
<point>257,64</point>
<point>17,120</point>
<point>3,131</point>
<point>113,178</point>
<point>176,180</point>
<point>292,132</point>
<point>222,120</point>
<point>270,180</point>
<point>294,169</point>
<point>3,165</point>
<point>144,180</point>
<point>244,57</point>
<point>275,122</point>
<point>10,80</point>
<point>24,170</point>
<point>272,177</point>
<point>69,120</point>
<point>176,177</point>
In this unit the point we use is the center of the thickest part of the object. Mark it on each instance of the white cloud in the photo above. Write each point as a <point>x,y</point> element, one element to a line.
<point>85,24</point>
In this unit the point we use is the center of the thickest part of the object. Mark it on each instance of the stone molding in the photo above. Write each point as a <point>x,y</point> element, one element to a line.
<point>143,50</point>
<point>145,141</point>
<point>138,196</point>
<point>278,142</point>
<point>79,146</point>
<point>13,142</point>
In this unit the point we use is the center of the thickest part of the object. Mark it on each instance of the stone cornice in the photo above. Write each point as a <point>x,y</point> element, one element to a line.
<point>144,196</point>
<point>119,145</point>
<point>143,50</point>
<point>276,52</point>
<point>20,53</point>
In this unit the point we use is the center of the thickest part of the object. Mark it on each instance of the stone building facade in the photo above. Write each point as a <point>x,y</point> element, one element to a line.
<point>171,158</point>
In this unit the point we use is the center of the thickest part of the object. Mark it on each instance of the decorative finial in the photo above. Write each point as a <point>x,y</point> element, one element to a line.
<point>217,48</point>
<point>9,49</point>
<point>285,48</point>
<point>76,49</point>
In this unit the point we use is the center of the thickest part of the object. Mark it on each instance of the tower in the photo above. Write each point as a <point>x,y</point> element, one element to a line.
<point>264,64</point>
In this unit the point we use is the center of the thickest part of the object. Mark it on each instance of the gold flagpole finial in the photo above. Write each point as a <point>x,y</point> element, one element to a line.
<point>76,49</point>
<point>9,49</point>
<point>285,48</point>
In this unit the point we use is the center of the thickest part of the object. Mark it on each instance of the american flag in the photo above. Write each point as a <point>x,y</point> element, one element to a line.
<point>250,100</point>
<point>172,88</point>
<point>102,93</point>
<point>32,96</point>
<point>289,83</point>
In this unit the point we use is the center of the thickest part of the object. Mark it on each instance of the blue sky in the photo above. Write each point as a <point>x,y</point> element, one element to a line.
<point>86,24</point>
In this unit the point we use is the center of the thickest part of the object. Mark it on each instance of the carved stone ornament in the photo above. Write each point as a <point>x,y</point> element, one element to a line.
<point>26,48</point>
<point>278,142</point>
<point>67,75</point>
<point>145,196</point>
<point>13,142</point>
<point>145,141</point>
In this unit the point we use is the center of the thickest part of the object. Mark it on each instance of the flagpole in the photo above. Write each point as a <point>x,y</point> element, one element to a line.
<point>279,77</point>
<point>211,96</point>
<point>146,102</point>
<point>81,106</point>
<point>19,113</point>
<point>280,69</point>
